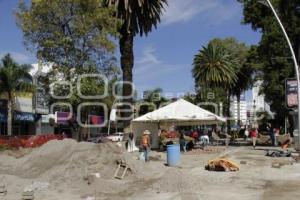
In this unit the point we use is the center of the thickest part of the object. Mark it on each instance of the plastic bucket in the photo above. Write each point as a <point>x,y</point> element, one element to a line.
<point>173,155</point>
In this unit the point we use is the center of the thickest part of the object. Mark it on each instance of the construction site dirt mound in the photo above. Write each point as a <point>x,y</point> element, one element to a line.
<point>61,160</point>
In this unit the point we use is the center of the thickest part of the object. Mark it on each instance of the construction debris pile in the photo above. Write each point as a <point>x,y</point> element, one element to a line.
<point>222,165</point>
<point>68,164</point>
<point>68,170</point>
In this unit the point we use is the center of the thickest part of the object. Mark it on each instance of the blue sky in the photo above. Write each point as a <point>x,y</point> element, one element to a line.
<point>164,58</point>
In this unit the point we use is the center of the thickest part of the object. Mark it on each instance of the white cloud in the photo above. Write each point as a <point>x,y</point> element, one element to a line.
<point>148,56</point>
<point>149,67</point>
<point>150,72</point>
<point>19,57</point>
<point>212,11</point>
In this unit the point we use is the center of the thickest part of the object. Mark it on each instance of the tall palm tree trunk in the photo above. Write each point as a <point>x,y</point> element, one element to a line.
<point>228,114</point>
<point>238,96</point>
<point>9,116</point>
<point>127,62</point>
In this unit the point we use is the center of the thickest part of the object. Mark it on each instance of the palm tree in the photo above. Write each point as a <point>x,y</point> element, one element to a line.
<point>215,67</point>
<point>13,78</point>
<point>138,17</point>
<point>247,74</point>
<point>244,81</point>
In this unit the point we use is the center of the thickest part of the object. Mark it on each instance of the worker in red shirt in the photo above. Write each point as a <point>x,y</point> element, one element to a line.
<point>253,135</point>
<point>195,135</point>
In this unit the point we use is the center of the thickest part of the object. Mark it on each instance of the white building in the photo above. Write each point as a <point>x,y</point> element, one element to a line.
<point>235,108</point>
<point>258,100</point>
<point>42,125</point>
<point>257,104</point>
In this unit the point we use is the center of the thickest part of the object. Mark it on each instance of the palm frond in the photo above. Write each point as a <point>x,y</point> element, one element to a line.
<point>139,16</point>
<point>14,77</point>
<point>213,66</point>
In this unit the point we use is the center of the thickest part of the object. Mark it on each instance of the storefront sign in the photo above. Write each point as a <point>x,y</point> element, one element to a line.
<point>23,116</point>
<point>46,118</point>
<point>23,104</point>
<point>18,116</point>
<point>63,117</point>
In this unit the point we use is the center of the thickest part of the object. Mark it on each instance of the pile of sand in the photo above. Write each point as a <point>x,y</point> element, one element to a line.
<point>68,160</point>
<point>64,165</point>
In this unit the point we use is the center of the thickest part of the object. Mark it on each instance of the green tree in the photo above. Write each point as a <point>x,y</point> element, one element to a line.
<point>152,100</point>
<point>213,99</point>
<point>89,86</point>
<point>138,17</point>
<point>13,78</point>
<point>75,36</point>
<point>70,33</point>
<point>244,68</point>
<point>215,67</point>
<point>273,52</point>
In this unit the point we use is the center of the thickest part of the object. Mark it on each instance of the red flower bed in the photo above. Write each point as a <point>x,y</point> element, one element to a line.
<point>28,141</point>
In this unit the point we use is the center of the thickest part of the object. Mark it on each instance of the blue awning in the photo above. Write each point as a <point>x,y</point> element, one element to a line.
<point>24,116</point>
<point>19,116</point>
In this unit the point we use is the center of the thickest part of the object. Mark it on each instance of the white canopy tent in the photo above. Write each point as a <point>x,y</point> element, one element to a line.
<point>180,113</point>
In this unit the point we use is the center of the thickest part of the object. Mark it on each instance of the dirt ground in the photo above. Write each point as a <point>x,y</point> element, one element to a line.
<point>62,170</point>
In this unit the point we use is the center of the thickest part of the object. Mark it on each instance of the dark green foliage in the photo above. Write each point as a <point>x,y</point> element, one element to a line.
<point>274,55</point>
<point>14,78</point>
<point>70,33</point>
<point>214,67</point>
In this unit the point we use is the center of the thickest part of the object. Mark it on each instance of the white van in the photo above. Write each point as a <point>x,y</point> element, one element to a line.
<point>117,137</point>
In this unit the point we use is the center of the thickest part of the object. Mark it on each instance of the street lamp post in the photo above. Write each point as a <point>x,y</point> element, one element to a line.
<point>254,113</point>
<point>269,4</point>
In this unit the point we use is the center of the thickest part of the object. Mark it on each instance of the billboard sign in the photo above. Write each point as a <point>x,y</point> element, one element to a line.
<point>23,104</point>
<point>291,93</point>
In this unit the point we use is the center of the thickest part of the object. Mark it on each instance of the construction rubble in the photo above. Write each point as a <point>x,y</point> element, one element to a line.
<point>70,170</point>
<point>221,164</point>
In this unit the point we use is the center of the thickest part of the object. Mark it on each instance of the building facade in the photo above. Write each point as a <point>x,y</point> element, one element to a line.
<point>30,112</point>
<point>257,105</point>
<point>239,110</point>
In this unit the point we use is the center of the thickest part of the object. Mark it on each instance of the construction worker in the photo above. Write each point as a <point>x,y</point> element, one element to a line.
<point>146,144</point>
<point>285,145</point>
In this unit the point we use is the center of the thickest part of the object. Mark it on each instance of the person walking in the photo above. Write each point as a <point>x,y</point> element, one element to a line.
<point>246,133</point>
<point>130,147</point>
<point>276,134</point>
<point>272,136</point>
<point>253,135</point>
<point>146,144</point>
<point>182,141</point>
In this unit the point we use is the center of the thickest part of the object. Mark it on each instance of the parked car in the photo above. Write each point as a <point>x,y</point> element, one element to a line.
<point>117,137</point>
